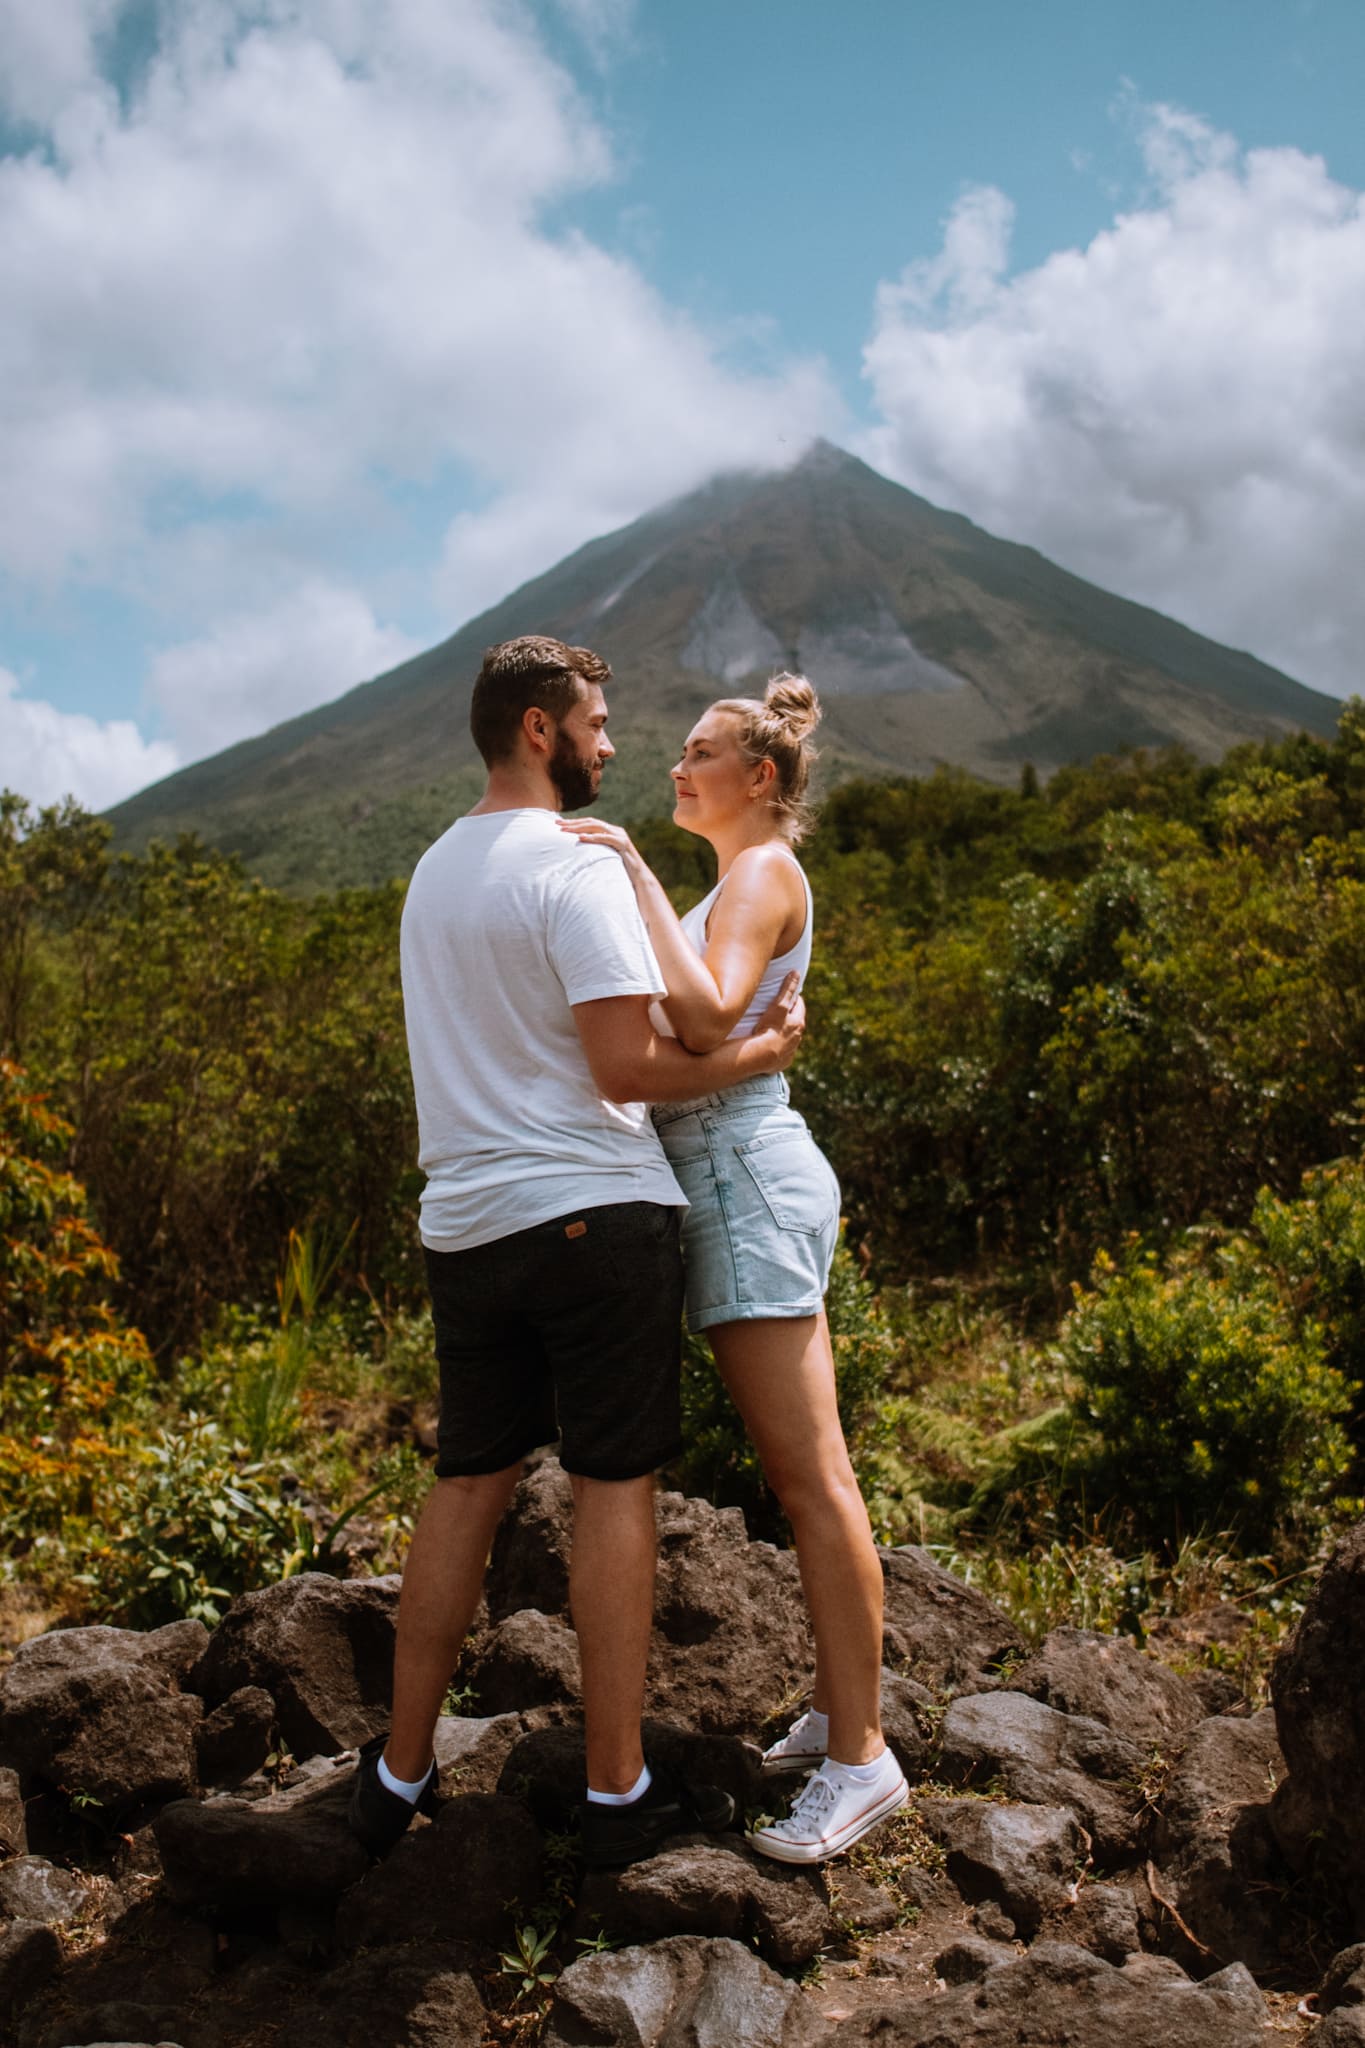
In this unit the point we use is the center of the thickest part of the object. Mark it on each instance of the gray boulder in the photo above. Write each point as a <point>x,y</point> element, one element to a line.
<point>13,1826</point>
<point>1103,1918</point>
<point>709,1887</point>
<point>1047,1758</point>
<point>682,1993</point>
<point>1217,1862</point>
<point>465,1875</point>
<point>528,1660</point>
<point>123,2023</point>
<point>1022,1858</point>
<point>234,1740</point>
<point>471,1753</point>
<point>1343,1982</point>
<point>31,1888</point>
<point>943,1633</point>
<point>966,1960</point>
<point>30,1954</point>
<point>1106,1678</point>
<point>1320,1718</point>
<point>730,1638</point>
<point>529,1565</point>
<point>421,1996</point>
<point>323,1650</point>
<point>97,1711</point>
<point>1061,1996</point>
<point>236,1854</point>
<point>907,1708</point>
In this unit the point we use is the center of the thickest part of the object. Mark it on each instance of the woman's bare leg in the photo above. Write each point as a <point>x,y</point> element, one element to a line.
<point>780,1374</point>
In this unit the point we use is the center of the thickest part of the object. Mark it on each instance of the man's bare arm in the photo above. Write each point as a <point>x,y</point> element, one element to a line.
<point>629,1061</point>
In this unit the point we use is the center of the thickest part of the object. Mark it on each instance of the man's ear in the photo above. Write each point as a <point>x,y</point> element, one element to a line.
<point>538,728</point>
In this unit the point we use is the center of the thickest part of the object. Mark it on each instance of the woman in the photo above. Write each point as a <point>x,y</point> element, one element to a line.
<point>760,1232</point>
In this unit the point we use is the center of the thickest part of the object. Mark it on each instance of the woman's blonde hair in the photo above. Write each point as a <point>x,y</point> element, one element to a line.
<point>778,729</point>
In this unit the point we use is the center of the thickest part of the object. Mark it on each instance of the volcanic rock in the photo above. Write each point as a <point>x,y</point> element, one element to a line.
<point>1320,1719</point>
<point>97,1712</point>
<point>239,1855</point>
<point>1218,1862</point>
<point>1061,1996</point>
<point>709,1887</point>
<point>1046,1759</point>
<point>31,1888</point>
<point>234,1740</point>
<point>1106,1678</point>
<point>1022,1858</point>
<point>528,1660</point>
<point>686,1992</point>
<point>13,1828</point>
<point>942,1632</point>
<point>321,1647</point>
<point>467,1874</point>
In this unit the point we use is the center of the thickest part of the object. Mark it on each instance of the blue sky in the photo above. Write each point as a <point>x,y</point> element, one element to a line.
<point>332,320</point>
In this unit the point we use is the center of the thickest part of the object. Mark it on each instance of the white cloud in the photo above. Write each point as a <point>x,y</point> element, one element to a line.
<point>255,670</point>
<point>50,54</point>
<point>309,258</point>
<point>50,754</point>
<point>1176,411</point>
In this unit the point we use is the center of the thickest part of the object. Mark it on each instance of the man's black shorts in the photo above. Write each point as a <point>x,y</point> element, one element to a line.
<point>569,1329</point>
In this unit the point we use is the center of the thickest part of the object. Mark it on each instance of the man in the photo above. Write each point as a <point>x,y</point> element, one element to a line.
<point>550,1227</point>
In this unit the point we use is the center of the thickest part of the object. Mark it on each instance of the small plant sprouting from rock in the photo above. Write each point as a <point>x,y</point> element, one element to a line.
<point>532,1961</point>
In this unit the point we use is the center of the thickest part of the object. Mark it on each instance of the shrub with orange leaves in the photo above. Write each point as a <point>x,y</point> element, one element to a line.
<point>70,1373</point>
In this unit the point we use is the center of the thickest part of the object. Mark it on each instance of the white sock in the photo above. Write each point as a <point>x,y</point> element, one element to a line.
<point>858,1774</point>
<point>412,1793</point>
<point>637,1791</point>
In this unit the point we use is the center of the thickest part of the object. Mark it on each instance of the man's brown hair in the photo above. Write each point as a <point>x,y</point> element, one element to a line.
<point>519,673</point>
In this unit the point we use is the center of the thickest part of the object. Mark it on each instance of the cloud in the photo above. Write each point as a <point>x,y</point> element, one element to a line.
<point>50,754</point>
<point>253,671</point>
<point>50,54</point>
<point>1176,411</point>
<point>307,259</point>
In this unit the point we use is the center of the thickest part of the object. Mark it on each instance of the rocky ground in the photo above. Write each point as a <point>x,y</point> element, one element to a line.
<point>1094,1845</point>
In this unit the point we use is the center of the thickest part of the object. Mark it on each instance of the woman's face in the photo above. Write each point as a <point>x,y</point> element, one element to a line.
<point>712,782</point>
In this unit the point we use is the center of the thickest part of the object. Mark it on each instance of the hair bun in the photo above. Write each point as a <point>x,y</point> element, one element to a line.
<point>792,699</point>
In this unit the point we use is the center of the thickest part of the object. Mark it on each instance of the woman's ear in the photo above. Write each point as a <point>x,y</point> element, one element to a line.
<point>765,775</point>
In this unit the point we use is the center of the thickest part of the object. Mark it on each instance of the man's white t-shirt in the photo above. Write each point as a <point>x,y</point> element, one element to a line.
<point>508,922</point>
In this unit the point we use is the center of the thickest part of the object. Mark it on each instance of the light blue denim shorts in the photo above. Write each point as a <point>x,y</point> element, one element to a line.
<point>759,1234</point>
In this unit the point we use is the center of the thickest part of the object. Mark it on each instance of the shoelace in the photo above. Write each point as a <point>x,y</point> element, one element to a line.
<point>811,1804</point>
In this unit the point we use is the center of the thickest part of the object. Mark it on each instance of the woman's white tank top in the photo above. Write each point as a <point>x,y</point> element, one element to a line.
<point>774,974</point>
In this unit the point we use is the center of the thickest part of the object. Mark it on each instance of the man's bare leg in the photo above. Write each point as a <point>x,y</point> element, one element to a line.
<point>442,1581</point>
<point>611,1592</point>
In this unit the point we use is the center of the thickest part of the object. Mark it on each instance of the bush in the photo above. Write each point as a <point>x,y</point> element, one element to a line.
<point>1316,1248</point>
<point>182,1527</point>
<point>1214,1405</point>
<point>73,1379</point>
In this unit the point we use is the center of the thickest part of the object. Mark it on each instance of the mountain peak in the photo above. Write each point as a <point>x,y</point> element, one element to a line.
<point>930,643</point>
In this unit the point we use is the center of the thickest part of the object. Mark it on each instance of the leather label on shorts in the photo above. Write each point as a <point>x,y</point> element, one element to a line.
<point>579,1229</point>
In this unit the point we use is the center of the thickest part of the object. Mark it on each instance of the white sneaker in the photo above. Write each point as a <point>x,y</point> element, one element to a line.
<point>802,1748</point>
<point>830,1814</point>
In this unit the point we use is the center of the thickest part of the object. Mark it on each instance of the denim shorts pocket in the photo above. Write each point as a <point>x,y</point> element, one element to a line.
<point>794,1179</point>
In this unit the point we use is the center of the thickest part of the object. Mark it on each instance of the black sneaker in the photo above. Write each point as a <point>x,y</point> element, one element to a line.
<point>613,1835</point>
<point>379,1818</point>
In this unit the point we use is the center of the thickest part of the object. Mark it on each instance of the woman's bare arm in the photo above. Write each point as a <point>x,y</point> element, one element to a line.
<point>706,998</point>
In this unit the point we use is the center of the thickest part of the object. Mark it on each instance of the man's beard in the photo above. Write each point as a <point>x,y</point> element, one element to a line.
<point>576,781</point>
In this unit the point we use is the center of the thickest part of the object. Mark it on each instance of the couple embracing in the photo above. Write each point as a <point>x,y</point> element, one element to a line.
<point>606,1134</point>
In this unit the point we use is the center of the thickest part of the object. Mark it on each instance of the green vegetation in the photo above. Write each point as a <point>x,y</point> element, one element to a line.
<point>1088,1058</point>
